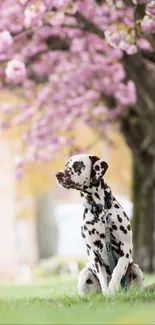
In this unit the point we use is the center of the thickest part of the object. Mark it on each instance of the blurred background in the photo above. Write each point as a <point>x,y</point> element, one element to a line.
<point>75,76</point>
<point>40,221</point>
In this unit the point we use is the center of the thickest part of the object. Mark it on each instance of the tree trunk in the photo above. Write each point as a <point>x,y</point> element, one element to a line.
<point>138,126</point>
<point>144,215</point>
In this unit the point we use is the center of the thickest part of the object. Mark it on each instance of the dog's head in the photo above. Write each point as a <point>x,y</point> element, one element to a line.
<point>82,171</point>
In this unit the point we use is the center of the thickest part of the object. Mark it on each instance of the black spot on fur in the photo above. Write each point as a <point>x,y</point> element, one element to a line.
<point>97,268</point>
<point>102,219</point>
<point>94,159</point>
<point>104,165</point>
<point>119,218</point>
<point>116,249</point>
<point>82,233</point>
<point>129,227</point>
<point>95,220</point>
<point>102,184</point>
<point>123,229</point>
<point>98,244</point>
<point>89,247</point>
<point>85,212</point>
<point>125,215</point>
<point>116,206</point>
<point>78,166</point>
<point>107,269</point>
<point>113,236</point>
<point>130,251</point>
<point>121,253</point>
<point>97,167</point>
<point>114,227</point>
<point>89,281</point>
<point>85,227</point>
<point>96,194</point>
<point>113,242</point>
<point>127,255</point>
<point>102,235</point>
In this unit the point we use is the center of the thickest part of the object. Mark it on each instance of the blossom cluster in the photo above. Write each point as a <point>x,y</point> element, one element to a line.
<point>66,57</point>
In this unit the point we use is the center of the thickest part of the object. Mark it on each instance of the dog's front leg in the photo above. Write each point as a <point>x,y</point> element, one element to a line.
<point>120,270</point>
<point>102,276</point>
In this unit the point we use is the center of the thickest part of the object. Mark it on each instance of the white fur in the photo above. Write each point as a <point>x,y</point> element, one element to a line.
<point>71,178</point>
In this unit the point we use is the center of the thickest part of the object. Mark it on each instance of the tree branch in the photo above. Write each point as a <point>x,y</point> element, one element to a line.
<point>87,25</point>
<point>54,43</point>
<point>149,55</point>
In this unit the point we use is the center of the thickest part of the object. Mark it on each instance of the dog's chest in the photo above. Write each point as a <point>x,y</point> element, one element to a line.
<point>93,231</point>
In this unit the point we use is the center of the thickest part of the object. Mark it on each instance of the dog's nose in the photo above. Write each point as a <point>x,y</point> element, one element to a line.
<point>59,175</point>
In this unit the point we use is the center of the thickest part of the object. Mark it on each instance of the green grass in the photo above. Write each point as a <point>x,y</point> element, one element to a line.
<point>56,301</point>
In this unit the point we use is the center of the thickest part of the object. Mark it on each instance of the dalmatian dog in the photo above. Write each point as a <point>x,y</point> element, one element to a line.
<point>85,174</point>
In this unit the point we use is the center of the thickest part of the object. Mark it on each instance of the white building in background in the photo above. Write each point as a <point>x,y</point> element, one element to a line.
<point>69,220</point>
<point>18,245</point>
<point>8,254</point>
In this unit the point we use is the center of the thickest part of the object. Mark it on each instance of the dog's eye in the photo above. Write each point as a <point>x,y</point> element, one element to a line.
<point>77,166</point>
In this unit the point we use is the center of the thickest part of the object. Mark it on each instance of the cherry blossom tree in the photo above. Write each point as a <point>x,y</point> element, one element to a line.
<point>91,60</point>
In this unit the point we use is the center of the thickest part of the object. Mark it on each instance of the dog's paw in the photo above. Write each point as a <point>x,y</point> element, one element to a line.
<point>113,288</point>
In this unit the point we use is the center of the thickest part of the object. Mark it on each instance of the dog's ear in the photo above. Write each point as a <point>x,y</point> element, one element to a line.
<point>99,168</point>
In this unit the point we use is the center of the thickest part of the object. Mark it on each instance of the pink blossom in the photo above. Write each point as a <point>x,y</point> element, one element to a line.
<point>61,3</point>
<point>23,117</point>
<point>49,3</point>
<point>148,25</point>
<point>6,41</point>
<point>19,166</point>
<point>6,108</point>
<point>19,172</point>
<point>72,82</point>
<point>117,40</point>
<point>16,71</point>
<point>23,2</point>
<point>34,14</point>
<point>114,39</point>
<point>126,94</point>
<point>57,19</point>
<point>144,44</point>
<point>128,48</point>
<point>44,156</point>
<point>6,45</point>
<point>11,16</point>
<point>150,9</point>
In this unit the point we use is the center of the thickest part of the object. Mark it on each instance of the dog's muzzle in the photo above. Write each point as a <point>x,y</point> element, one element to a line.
<point>64,179</point>
<point>60,176</point>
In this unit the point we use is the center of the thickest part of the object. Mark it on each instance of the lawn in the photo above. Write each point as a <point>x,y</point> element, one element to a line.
<point>56,301</point>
